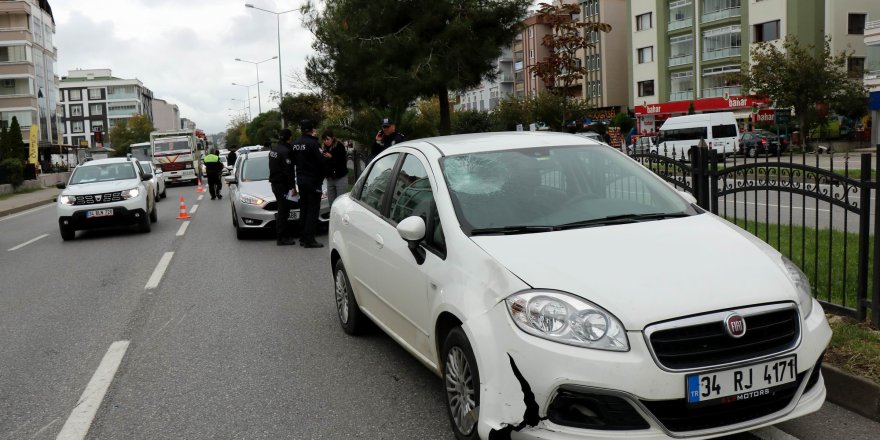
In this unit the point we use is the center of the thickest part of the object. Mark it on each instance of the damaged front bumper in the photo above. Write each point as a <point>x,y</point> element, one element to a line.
<point>533,388</point>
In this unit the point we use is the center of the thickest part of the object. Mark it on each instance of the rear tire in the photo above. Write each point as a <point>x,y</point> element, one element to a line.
<point>67,233</point>
<point>164,191</point>
<point>350,316</point>
<point>461,379</point>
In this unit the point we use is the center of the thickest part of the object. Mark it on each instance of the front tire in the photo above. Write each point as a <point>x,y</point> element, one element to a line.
<point>67,233</point>
<point>461,378</point>
<point>154,214</point>
<point>350,317</point>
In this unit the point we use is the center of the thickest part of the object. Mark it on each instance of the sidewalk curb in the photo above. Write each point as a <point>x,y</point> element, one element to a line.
<point>854,393</point>
<point>21,208</point>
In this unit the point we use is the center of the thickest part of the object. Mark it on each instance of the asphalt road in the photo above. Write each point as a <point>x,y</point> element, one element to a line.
<point>238,340</point>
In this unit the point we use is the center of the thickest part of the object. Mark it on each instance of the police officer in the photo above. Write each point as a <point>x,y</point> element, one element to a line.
<point>282,176</point>
<point>214,168</point>
<point>309,175</point>
<point>386,137</point>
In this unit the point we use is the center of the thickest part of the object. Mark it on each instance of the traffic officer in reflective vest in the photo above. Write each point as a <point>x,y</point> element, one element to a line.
<point>282,177</point>
<point>309,176</point>
<point>214,168</point>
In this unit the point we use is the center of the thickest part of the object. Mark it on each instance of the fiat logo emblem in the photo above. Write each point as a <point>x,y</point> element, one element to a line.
<point>735,325</point>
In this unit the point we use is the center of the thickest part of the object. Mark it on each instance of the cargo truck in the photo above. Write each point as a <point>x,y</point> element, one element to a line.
<point>177,153</point>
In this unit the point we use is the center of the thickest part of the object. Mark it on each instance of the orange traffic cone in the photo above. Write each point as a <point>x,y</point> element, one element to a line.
<point>183,214</point>
<point>201,190</point>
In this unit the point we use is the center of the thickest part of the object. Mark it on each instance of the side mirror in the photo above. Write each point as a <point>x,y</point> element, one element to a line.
<point>230,180</point>
<point>146,177</point>
<point>688,196</point>
<point>60,185</point>
<point>412,230</point>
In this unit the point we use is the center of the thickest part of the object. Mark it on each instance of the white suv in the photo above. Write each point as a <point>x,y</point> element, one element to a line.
<point>106,192</point>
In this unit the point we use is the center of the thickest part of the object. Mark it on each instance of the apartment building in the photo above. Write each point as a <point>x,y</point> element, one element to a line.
<point>606,84</point>
<point>527,51</point>
<point>872,73</point>
<point>682,51</point>
<point>845,23</point>
<point>486,96</point>
<point>165,116</point>
<point>93,100</point>
<point>28,84</point>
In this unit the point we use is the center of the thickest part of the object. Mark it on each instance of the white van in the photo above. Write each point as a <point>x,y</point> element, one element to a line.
<point>678,134</point>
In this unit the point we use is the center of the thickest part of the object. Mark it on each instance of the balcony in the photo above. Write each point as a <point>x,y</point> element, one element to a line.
<point>505,77</point>
<point>721,53</point>
<point>122,95</point>
<point>681,60</point>
<point>680,24</point>
<point>506,55</point>
<point>872,25</point>
<point>715,92</point>
<point>681,96</point>
<point>721,14</point>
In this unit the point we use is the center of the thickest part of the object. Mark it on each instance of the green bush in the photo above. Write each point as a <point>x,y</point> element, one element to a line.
<point>471,121</point>
<point>12,171</point>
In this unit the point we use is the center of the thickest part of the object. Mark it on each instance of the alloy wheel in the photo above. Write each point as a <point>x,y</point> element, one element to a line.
<point>460,391</point>
<point>341,297</point>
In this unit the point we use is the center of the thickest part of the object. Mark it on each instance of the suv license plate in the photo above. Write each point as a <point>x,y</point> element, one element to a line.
<point>741,383</point>
<point>99,213</point>
<point>294,215</point>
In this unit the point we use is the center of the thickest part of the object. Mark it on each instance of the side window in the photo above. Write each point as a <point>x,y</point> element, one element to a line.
<point>412,191</point>
<point>377,180</point>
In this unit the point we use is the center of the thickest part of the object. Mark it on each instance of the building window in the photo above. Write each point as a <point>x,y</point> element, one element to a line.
<point>718,9</point>
<point>96,109</point>
<point>646,88</point>
<point>94,94</point>
<point>76,110</point>
<point>646,54</point>
<point>531,54</point>
<point>531,32</point>
<point>681,50</point>
<point>644,21</point>
<point>77,126</point>
<point>97,125</point>
<point>681,86</point>
<point>855,67</point>
<point>768,31</point>
<point>680,11</point>
<point>856,24</point>
<point>722,42</point>
<point>75,94</point>
<point>13,54</point>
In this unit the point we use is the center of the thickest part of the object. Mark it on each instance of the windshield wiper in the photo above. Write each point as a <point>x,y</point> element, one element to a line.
<point>622,219</point>
<point>511,230</point>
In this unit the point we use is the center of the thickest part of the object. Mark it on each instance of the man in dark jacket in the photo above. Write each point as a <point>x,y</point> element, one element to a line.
<point>386,137</point>
<point>231,157</point>
<point>336,165</point>
<point>309,176</point>
<point>282,176</point>
<point>214,169</point>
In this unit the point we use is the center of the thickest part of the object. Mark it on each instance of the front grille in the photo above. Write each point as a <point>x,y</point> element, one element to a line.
<point>677,416</point>
<point>94,199</point>
<point>707,344</point>
<point>273,206</point>
<point>172,166</point>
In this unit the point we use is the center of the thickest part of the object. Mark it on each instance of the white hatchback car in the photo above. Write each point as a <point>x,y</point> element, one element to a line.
<point>563,291</point>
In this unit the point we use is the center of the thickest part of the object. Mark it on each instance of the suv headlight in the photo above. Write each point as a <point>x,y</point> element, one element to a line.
<point>802,284</point>
<point>67,200</point>
<point>565,318</point>
<point>251,200</point>
<point>130,193</point>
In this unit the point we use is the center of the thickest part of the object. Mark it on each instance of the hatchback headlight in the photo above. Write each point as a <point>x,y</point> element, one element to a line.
<point>565,318</point>
<point>251,200</point>
<point>802,284</point>
<point>130,193</point>
<point>67,200</point>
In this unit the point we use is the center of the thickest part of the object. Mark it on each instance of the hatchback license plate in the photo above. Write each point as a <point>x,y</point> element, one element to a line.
<point>741,383</point>
<point>294,215</point>
<point>99,213</point>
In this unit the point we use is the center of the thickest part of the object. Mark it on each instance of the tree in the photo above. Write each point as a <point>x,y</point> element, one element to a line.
<point>510,112</point>
<point>691,109</point>
<point>17,147</point>
<point>5,149</point>
<point>301,106</point>
<point>126,132</point>
<point>263,129</point>
<point>471,121</point>
<point>797,77</point>
<point>384,53</point>
<point>140,127</point>
<point>236,134</point>
<point>623,121</point>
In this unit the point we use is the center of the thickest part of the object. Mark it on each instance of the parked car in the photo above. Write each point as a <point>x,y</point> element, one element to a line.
<point>679,133</point>
<point>106,192</point>
<point>753,143</point>
<point>643,145</point>
<point>592,135</point>
<point>502,261</point>
<point>158,179</point>
<point>251,198</point>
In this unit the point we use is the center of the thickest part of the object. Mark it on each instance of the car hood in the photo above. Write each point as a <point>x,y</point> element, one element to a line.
<point>257,188</point>
<point>650,271</point>
<point>100,187</point>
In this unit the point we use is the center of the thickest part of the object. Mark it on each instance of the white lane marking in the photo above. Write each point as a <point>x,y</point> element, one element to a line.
<point>18,214</point>
<point>194,209</point>
<point>159,271</point>
<point>200,198</point>
<point>77,425</point>
<point>27,243</point>
<point>772,433</point>
<point>182,229</point>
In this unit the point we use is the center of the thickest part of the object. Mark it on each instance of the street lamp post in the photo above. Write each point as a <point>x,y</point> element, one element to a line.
<point>246,106</point>
<point>257,65</point>
<point>278,23</point>
<point>248,94</point>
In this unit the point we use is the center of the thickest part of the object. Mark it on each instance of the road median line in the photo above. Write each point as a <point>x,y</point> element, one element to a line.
<point>27,243</point>
<point>154,280</point>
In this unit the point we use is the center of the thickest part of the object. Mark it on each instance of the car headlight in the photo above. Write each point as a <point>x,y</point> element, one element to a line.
<point>130,193</point>
<point>67,200</point>
<point>802,284</point>
<point>251,200</point>
<point>565,318</point>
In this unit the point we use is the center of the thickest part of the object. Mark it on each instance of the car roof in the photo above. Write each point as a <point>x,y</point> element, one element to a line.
<point>507,140</point>
<point>106,161</point>
<point>255,154</point>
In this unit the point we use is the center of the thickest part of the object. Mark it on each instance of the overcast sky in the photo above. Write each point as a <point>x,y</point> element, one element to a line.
<point>185,50</point>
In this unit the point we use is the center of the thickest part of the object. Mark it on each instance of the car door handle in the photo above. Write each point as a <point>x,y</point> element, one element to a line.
<point>346,220</point>
<point>380,243</point>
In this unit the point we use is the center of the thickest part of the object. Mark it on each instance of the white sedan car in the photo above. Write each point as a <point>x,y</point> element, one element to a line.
<point>563,291</point>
